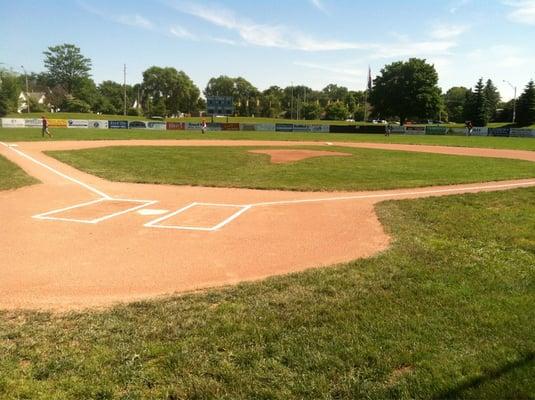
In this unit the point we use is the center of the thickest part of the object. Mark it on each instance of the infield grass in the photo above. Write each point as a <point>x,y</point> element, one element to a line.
<point>365,169</point>
<point>12,177</point>
<point>446,313</point>
<point>29,134</point>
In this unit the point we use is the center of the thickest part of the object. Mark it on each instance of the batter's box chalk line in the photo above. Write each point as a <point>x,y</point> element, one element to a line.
<point>51,215</point>
<point>158,222</point>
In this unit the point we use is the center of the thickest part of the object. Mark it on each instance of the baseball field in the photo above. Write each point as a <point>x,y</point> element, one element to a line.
<point>262,265</point>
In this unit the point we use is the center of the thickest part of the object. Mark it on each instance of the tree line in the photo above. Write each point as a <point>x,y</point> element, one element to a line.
<point>403,91</point>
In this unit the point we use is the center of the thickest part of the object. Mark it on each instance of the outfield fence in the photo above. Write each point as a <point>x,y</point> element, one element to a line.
<point>265,127</point>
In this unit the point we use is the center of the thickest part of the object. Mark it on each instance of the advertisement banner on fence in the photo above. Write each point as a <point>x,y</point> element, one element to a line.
<point>457,131</point>
<point>319,128</point>
<point>57,123</point>
<point>519,132</point>
<point>97,124</point>
<point>284,127</point>
<point>265,127</point>
<point>13,123</point>
<point>77,123</point>
<point>156,125</point>
<point>230,126</point>
<point>137,125</point>
<point>301,128</point>
<point>176,126</point>
<point>33,123</point>
<point>435,130</point>
<point>479,131</point>
<point>343,129</point>
<point>503,132</point>
<point>371,128</point>
<point>415,130</point>
<point>398,129</point>
<point>118,124</point>
<point>248,127</point>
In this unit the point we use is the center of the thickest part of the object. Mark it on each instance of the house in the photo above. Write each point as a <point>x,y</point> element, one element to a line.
<point>39,97</point>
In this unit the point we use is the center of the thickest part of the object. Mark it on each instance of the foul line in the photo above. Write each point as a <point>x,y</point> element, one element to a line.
<point>371,196</point>
<point>85,185</point>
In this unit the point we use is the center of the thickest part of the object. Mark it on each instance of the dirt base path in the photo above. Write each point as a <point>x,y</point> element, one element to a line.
<point>135,241</point>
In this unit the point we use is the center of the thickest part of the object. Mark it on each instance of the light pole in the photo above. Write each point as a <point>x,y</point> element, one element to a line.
<point>27,91</point>
<point>514,99</point>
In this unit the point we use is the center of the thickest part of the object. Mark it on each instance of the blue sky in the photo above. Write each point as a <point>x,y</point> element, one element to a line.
<point>310,42</point>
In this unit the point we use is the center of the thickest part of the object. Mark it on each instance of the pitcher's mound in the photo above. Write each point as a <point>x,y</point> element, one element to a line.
<point>281,156</point>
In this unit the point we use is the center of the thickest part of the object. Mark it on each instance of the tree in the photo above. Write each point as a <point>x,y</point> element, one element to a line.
<point>406,89</point>
<point>476,105</point>
<point>454,100</point>
<point>311,110</point>
<point>336,111</point>
<point>10,89</point>
<point>4,108</point>
<point>76,105</point>
<point>525,111</point>
<point>493,99</point>
<point>66,66</point>
<point>177,90</point>
<point>159,108</point>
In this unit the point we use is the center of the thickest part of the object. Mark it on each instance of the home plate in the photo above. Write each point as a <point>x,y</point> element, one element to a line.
<point>151,211</point>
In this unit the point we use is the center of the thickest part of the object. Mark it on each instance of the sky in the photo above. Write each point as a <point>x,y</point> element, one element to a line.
<point>307,42</point>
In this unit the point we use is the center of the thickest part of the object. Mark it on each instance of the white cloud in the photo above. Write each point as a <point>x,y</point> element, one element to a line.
<point>135,20</point>
<point>523,11</point>
<point>319,5</point>
<point>442,32</point>
<point>224,41</point>
<point>456,5</point>
<point>181,32</point>
<point>354,72</point>
<point>415,49</point>
<point>263,35</point>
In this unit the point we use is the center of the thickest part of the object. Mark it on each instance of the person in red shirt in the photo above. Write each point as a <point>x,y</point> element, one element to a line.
<point>45,127</point>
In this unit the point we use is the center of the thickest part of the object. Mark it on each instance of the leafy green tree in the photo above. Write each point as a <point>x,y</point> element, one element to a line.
<point>10,89</point>
<point>159,108</point>
<point>113,95</point>
<point>76,105</point>
<point>525,111</point>
<point>476,105</point>
<point>104,106</point>
<point>4,108</point>
<point>66,66</point>
<point>454,100</point>
<point>336,111</point>
<point>177,90</point>
<point>220,86</point>
<point>406,89</point>
<point>311,111</point>
<point>493,99</point>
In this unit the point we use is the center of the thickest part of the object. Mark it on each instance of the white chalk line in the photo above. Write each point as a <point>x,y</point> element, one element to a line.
<point>398,194</point>
<point>156,222</point>
<point>85,185</point>
<point>49,214</point>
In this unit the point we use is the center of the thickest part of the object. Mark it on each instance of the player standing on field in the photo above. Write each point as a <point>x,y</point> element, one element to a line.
<point>45,127</point>
<point>203,126</point>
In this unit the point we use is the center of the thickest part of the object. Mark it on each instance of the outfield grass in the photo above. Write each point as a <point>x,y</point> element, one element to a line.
<point>366,169</point>
<point>447,312</point>
<point>12,177</point>
<point>28,134</point>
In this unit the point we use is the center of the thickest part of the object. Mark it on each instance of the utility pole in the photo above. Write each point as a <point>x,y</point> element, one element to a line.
<point>27,91</point>
<point>514,99</point>
<point>124,88</point>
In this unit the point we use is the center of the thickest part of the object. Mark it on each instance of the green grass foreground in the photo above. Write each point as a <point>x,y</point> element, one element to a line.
<point>446,312</point>
<point>29,134</point>
<point>12,177</point>
<point>366,169</point>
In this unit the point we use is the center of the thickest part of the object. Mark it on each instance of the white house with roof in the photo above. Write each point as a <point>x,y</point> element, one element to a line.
<point>39,97</point>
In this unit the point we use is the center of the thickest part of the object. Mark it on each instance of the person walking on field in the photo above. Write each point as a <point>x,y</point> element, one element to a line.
<point>469,128</point>
<point>45,127</point>
<point>203,126</point>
